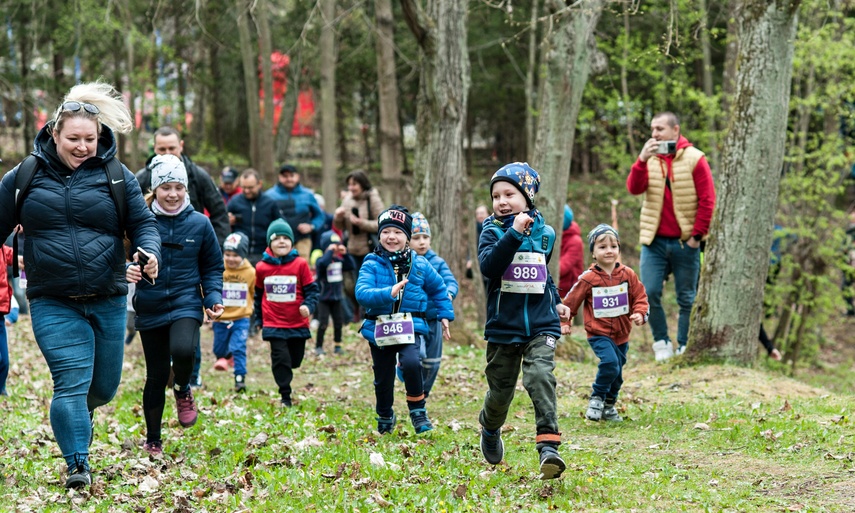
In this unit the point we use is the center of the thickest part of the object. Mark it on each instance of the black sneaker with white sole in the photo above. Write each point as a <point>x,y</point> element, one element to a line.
<point>492,446</point>
<point>551,464</point>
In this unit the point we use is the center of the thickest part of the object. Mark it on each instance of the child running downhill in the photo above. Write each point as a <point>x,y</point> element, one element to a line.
<point>286,295</point>
<point>330,269</point>
<point>523,314</point>
<point>614,300</point>
<point>394,287</point>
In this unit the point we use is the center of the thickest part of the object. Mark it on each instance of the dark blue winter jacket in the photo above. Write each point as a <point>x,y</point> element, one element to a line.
<point>253,219</point>
<point>73,244</point>
<point>332,291</point>
<point>514,317</point>
<point>444,271</point>
<point>374,292</point>
<point>191,258</point>
<point>298,206</point>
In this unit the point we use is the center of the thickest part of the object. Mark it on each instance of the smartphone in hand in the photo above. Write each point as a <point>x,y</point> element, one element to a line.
<point>355,230</point>
<point>143,259</point>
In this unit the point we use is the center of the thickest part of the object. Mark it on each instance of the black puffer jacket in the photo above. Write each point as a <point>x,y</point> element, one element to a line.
<point>203,192</point>
<point>73,243</point>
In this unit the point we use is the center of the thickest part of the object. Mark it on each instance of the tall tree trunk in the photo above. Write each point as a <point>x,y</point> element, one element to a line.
<point>624,87</point>
<point>729,304</point>
<point>249,58</point>
<point>328,103</point>
<point>712,157</point>
<point>265,135</point>
<point>731,50</point>
<point>389,131</point>
<point>289,105</point>
<point>530,95</point>
<point>440,30</point>
<point>568,45</point>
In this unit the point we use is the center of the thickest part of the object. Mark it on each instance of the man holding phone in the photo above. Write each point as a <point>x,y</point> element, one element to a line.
<point>679,198</point>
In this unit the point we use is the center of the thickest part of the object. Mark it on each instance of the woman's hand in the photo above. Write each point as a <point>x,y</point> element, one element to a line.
<point>214,313</point>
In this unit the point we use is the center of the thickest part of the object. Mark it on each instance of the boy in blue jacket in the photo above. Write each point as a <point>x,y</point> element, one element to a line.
<point>523,311</point>
<point>394,287</point>
<point>329,270</point>
<point>431,351</point>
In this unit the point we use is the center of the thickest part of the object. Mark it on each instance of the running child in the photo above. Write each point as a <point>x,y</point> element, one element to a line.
<point>329,270</point>
<point>232,329</point>
<point>523,311</point>
<point>431,351</point>
<point>614,300</point>
<point>394,287</point>
<point>285,295</point>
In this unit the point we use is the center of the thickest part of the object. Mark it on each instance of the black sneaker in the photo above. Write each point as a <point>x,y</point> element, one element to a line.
<point>79,478</point>
<point>240,384</point>
<point>551,464</point>
<point>386,425</point>
<point>492,446</point>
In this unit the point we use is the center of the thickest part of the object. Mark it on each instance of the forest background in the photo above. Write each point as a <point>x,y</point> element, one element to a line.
<point>430,97</point>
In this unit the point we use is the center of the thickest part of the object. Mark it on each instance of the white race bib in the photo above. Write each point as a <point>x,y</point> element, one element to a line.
<point>235,294</point>
<point>334,272</point>
<point>526,274</point>
<point>394,329</point>
<point>610,301</point>
<point>281,289</point>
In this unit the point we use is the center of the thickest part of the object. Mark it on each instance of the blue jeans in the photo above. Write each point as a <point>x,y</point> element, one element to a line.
<point>431,354</point>
<point>610,371</point>
<point>230,338</point>
<point>83,345</point>
<point>661,258</point>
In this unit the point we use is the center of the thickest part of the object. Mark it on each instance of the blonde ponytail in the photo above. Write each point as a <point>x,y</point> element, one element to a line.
<point>114,113</point>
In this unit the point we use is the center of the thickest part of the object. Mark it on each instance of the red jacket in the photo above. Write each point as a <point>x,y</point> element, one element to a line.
<point>5,286</point>
<point>572,261</point>
<point>283,314</point>
<point>616,328</point>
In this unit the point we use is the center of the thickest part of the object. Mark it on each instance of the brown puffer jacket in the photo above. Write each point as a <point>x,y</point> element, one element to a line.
<point>369,205</point>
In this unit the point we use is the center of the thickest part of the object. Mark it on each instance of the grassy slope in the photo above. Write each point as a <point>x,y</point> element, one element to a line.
<point>695,439</point>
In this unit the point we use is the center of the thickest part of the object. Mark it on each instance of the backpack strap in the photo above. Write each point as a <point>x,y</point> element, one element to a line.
<point>116,182</point>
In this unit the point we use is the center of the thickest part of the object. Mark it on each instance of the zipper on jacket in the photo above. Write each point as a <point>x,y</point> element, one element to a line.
<point>252,224</point>
<point>81,285</point>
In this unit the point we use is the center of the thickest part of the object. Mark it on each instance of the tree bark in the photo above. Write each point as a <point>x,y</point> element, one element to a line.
<point>328,104</point>
<point>440,174</point>
<point>567,48</point>
<point>530,95</point>
<point>265,162</point>
<point>249,59</point>
<point>728,308</point>
<point>712,157</point>
<point>389,131</point>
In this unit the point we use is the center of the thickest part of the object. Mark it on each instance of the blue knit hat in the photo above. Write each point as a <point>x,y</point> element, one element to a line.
<point>521,176</point>
<point>599,231</point>
<point>279,227</point>
<point>420,224</point>
<point>568,216</point>
<point>327,238</point>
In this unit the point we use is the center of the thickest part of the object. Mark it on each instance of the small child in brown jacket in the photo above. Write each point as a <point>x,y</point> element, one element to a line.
<point>614,299</point>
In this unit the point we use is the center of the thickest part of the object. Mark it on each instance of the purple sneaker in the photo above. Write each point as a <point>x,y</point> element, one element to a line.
<point>186,407</point>
<point>154,448</point>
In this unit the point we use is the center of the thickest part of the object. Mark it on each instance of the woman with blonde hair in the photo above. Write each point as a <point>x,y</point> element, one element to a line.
<point>75,223</point>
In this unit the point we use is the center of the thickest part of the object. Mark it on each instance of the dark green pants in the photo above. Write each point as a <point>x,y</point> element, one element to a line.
<point>537,358</point>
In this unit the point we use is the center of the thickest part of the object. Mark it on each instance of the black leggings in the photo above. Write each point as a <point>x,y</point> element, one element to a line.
<point>325,310</point>
<point>285,356</point>
<point>171,346</point>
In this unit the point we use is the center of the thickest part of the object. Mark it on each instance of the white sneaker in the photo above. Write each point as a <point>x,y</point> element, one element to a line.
<point>662,350</point>
<point>680,350</point>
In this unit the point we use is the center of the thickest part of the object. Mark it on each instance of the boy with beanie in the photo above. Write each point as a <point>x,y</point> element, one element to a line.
<point>523,311</point>
<point>329,270</point>
<point>232,329</point>
<point>431,351</point>
<point>394,287</point>
<point>285,295</point>
<point>614,300</point>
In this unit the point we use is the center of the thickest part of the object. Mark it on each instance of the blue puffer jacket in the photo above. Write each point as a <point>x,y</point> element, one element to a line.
<point>298,206</point>
<point>513,317</point>
<point>73,242</point>
<point>447,276</point>
<point>374,292</point>
<point>191,258</point>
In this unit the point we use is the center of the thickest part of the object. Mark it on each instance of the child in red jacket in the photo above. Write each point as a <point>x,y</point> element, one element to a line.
<point>614,300</point>
<point>285,296</point>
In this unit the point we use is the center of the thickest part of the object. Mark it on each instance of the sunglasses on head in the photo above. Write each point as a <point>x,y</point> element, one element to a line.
<point>76,106</point>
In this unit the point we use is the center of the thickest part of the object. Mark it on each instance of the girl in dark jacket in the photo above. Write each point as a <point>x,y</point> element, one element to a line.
<point>169,311</point>
<point>75,260</point>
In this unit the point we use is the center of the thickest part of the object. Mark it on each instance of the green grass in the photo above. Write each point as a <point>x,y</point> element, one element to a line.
<point>695,439</point>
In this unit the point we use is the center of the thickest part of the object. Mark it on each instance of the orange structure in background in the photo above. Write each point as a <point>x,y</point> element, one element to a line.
<point>304,115</point>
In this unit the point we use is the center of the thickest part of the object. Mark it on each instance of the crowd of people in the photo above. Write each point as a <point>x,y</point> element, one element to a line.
<point>250,260</point>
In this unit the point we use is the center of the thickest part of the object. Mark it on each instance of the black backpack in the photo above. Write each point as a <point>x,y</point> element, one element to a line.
<point>27,170</point>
